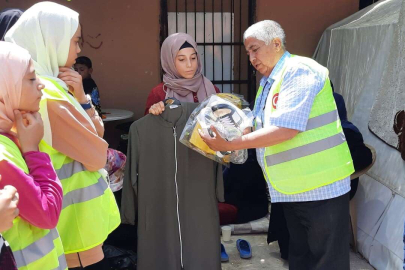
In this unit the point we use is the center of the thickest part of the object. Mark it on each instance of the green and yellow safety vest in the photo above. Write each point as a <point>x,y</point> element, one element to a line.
<point>317,157</point>
<point>89,213</point>
<point>33,248</point>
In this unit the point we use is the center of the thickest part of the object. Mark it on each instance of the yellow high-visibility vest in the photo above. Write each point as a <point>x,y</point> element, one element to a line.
<point>33,248</point>
<point>317,157</point>
<point>89,213</point>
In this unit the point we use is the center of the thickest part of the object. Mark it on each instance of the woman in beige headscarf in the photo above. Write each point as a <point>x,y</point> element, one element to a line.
<point>33,238</point>
<point>182,78</point>
<point>73,132</point>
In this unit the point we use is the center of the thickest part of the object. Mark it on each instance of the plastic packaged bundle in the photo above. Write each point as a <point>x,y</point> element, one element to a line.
<point>229,120</point>
<point>235,99</point>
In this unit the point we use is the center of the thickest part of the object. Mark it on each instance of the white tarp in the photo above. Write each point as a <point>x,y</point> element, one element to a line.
<point>365,56</point>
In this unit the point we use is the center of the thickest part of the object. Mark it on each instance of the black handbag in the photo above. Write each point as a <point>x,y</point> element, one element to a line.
<point>120,259</point>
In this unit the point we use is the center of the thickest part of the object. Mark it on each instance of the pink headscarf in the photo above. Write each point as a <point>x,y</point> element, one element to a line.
<point>176,86</point>
<point>14,62</point>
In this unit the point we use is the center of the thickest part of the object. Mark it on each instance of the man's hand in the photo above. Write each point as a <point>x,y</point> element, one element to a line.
<point>216,143</point>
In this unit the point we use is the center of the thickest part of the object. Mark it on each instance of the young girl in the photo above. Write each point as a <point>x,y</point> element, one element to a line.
<point>33,238</point>
<point>73,132</point>
<point>183,78</point>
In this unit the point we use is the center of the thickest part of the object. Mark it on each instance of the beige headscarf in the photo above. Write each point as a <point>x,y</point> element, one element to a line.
<point>175,85</point>
<point>45,30</point>
<point>14,62</point>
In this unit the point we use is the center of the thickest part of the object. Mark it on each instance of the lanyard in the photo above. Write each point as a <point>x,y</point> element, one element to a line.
<point>261,96</point>
<point>260,103</point>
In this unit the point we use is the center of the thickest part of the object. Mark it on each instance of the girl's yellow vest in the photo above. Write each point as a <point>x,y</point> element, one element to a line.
<point>89,213</point>
<point>33,248</point>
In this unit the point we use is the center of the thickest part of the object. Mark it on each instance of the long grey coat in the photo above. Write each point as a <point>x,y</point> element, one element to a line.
<point>150,191</point>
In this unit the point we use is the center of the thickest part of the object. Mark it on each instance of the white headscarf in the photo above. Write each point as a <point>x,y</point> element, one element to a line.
<point>45,30</point>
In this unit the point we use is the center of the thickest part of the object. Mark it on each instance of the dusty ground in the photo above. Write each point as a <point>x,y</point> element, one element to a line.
<point>268,256</point>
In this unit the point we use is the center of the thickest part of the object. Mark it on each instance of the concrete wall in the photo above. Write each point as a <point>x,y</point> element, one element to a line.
<point>122,39</point>
<point>305,20</point>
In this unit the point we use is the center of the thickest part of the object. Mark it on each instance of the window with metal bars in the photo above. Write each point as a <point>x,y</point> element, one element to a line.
<point>366,3</point>
<point>217,26</point>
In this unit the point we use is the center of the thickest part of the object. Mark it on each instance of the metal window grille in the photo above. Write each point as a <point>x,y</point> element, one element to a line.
<point>366,3</point>
<point>217,26</point>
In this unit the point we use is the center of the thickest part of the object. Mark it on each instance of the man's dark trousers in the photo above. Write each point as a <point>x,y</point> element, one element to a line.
<point>319,234</point>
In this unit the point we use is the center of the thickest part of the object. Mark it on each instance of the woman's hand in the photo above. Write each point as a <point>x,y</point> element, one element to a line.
<point>75,82</point>
<point>157,109</point>
<point>8,207</point>
<point>30,130</point>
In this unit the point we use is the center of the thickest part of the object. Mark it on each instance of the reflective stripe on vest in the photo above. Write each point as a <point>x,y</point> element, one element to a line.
<point>39,249</point>
<point>322,120</point>
<point>68,169</point>
<point>82,194</point>
<point>305,150</point>
<point>85,194</point>
<point>313,147</point>
<point>62,262</point>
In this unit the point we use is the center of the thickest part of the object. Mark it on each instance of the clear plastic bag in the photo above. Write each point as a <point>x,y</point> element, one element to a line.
<point>229,120</point>
<point>235,99</point>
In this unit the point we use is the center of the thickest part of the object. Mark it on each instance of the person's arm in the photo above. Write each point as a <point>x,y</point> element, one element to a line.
<point>40,191</point>
<point>96,119</point>
<point>75,83</point>
<point>8,207</point>
<point>297,93</point>
<point>74,136</point>
<point>265,137</point>
<point>260,138</point>
<point>155,96</point>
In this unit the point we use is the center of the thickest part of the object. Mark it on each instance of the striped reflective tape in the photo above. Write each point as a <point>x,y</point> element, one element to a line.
<point>322,120</point>
<point>2,242</point>
<point>85,194</point>
<point>305,150</point>
<point>62,263</point>
<point>69,169</point>
<point>36,250</point>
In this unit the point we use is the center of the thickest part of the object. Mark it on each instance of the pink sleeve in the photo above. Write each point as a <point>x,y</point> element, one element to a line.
<point>40,192</point>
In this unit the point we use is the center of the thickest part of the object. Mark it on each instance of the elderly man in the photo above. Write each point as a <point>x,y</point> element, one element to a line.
<point>301,149</point>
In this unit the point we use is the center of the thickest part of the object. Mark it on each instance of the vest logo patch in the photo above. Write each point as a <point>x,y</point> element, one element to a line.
<point>275,100</point>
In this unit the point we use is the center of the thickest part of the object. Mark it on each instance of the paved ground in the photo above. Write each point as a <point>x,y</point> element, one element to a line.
<point>268,256</point>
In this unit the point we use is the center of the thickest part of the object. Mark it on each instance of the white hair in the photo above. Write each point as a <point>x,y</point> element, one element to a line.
<point>266,31</point>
